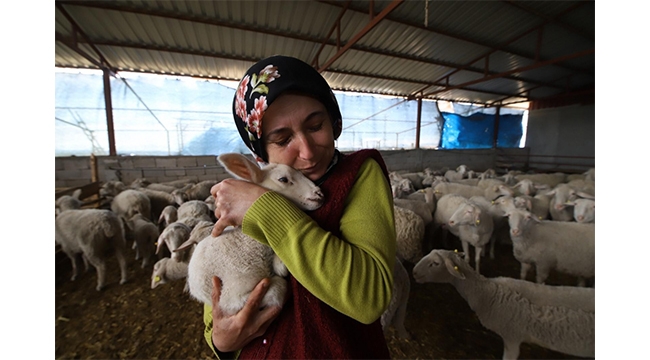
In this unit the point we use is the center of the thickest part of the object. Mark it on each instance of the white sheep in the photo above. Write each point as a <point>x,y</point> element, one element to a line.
<point>168,215</point>
<point>238,260</point>
<point>489,192</point>
<point>560,196</point>
<point>567,247</point>
<point>560,318</point>
<point>410,230</point>
<point>445,208</point>
<point>145,234</point>
<point>174,235</point>
<point>550,179</point>
<point>424,209</point>
<point>68,202</point>
<point>395,314</point>
<point>158,200</point>
<point>474,224</point>
<point>93,233</point>
<point>584,210</point>
<point>166,270</point>
<point>130,202</point>
<point>457,174</point>
<point>538,204</point>
<point>192,212</point>
<point>197,191</point>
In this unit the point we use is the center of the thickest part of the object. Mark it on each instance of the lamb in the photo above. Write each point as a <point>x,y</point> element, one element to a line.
<point>238,260</point>
<point>457,174</point>
<point>401,188</point>
<point>166,270</point>
<point>560,195</point>
<point>538,204</point>
<point>158,200</point>
<point>410,229</point>
<point>395,314</point>
<point>474,225</point>
<point>567,247</point>
<point>168,215</point>
<point>174,235</point>
<point>550,179</point>
<point>110,189</point>
<point>192,212</point>
<point>445,208</point>
<point>197,191</point>
<point>424,208</point>
<point>584,210</point>
<point>145,234</point>
<point>68,202</point>
<point>93,233</point>
<point>489,192</point>
<point>560,318</point>
<point>130,202</point>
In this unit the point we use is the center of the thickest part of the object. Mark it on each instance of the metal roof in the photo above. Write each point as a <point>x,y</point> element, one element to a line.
<point>485,52</point>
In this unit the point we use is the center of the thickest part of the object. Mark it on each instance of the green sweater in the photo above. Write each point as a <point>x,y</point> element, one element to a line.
<point>317,258</point>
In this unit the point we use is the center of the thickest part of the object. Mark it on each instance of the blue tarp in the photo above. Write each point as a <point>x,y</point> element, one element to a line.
<point>476,131</point>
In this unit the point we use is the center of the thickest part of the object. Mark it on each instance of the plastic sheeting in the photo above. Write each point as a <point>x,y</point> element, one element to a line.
<point>476,131</point>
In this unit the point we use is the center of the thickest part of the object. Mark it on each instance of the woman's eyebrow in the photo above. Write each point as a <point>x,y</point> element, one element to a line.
<point>306,119</point>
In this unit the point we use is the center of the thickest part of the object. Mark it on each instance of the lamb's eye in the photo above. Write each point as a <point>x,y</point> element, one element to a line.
<point>283,180</point>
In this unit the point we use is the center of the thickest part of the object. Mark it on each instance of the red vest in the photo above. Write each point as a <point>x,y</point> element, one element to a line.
<point>307,328</point>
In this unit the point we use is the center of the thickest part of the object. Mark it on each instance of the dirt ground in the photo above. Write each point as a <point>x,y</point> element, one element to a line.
<point>133,321</point>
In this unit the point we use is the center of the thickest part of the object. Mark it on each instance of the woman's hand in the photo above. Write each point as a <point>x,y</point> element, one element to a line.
<point>232,198</point>
<point>230,333</point>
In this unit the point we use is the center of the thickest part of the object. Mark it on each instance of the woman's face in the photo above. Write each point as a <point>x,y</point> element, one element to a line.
<point>297,131</point>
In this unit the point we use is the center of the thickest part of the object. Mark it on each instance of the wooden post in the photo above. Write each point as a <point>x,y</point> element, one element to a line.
<point>94,177</point>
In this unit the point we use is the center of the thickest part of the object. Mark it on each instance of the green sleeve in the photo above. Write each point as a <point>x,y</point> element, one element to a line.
<point>207,334</point>
<point>353,273</point>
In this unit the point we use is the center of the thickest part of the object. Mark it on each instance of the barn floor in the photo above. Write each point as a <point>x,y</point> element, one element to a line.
<point>133,321</point>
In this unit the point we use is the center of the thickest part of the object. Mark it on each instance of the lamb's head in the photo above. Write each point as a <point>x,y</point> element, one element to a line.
<point>520,221</point>
<point>440,266</point>
<point>465,214</point>
<point>68,202</point>
<point>280,178</point>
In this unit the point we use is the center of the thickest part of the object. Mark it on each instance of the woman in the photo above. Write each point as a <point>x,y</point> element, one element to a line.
<point>340,257</point>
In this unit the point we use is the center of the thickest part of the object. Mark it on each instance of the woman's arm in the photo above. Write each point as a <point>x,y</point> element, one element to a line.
<point>354,273</point>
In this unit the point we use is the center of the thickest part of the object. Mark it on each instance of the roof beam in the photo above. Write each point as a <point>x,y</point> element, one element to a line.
<point>373,22</point>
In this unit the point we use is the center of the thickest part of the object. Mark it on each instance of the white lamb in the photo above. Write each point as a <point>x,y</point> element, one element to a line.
<point>68,202</point>
<point>93,233</point>
<point>168,215</point>
<point>166,270</point>
<point>567,247</point>
<point>174,235</point>
<point>192,212</point>
<point>130,202</point>
<point>395,314</point>
<point>584,210</point>
<point>410,230</point>
<point>197,191</point>
<point>238,260</point>
<point>474,224</point>
<point>145,234</point>
<point>445,208</point>
<point>560,318</point>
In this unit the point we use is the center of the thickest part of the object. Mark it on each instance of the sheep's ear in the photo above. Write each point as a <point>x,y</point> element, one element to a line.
<point>454,269</point>
<point>76,194</point>
<point>241,167</point>
<point>185,245</point>
<point>585,195</point>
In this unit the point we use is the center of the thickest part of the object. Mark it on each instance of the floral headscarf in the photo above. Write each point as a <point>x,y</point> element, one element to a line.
<point>263,83</point>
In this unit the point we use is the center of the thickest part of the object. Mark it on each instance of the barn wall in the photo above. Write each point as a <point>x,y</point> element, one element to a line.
<point>562,137</point>
<point>75,171</point>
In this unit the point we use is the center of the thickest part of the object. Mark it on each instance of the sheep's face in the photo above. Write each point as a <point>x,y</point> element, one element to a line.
<point>294,186</point>
<point>520,221</point>
<point>438,266</point>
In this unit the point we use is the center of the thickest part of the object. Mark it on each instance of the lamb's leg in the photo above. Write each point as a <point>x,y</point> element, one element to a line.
<point>524,270</point>
<point>73,259</point>
<point>275,294</point>
<point>466,250</point>
<point>510,349</point>
<point>477,258</point>
<point>542,273</point>
<point>121,260</point>
<point>399,318</point>
<point>100,266</point>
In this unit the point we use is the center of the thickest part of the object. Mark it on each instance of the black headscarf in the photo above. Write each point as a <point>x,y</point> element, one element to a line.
<point>264,82</point>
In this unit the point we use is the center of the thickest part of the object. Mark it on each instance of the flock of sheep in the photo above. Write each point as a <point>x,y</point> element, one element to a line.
<point>547,218</point>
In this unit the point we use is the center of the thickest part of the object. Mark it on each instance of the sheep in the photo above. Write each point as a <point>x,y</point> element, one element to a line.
<point>410,230</point>
<point>93,233</point>
<point>197,191</point>
<point>395,314</point>
<point>168,215</point>
<point>489,192</point>
<point>110,189</point>
<point>401,188</point>
<point>474,225</point>
<point>130,202</point>
<point>424,208</point>
<point>584,210</point>
<point>567,247</point>
<point>192,212</point>
<point>68,202</point>
<point>174,235</point>
<point>538,204</point>
<point>238,260</point>
<point>166,270</point>
<point>550,179</point>
<point>560,318</point>
<point>445,208</point>
<point>158,200</point>
<point>145,234</point>
<point>458,174</point>
<point>560,195</point>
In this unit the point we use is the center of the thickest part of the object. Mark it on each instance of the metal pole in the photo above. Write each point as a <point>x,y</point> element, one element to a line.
<point>109,112</point>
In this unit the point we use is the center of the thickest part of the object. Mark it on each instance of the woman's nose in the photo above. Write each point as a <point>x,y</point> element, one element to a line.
<point>306,147</point>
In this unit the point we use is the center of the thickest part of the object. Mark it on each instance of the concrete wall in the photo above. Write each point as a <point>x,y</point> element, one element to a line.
<point>76,171</point>
<point>566,131</point>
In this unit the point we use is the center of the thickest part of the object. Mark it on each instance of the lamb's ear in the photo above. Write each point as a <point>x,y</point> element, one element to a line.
<point>185,245</point>
<point>453,268</point>
<point>241,167</point>
<point>76,194</point>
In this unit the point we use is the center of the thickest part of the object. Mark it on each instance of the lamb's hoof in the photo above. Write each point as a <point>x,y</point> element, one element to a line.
<point>99,287</point>
<point>123,281</point>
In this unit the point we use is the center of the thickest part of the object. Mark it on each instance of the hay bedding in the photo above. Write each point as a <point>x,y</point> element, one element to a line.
<point>133,321</point>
